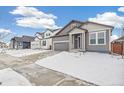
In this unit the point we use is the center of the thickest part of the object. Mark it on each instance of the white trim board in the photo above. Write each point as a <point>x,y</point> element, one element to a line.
<point>60,41</point>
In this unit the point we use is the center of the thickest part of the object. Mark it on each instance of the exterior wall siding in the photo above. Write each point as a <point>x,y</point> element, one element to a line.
<point>61,38</point>
<point>61,46</point>
<point>48,43</point>
<point>94,27</point>
<point>68,28</point>
<point>98,48</point>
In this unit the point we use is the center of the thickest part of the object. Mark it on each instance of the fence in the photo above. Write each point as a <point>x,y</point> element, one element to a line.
<point>117,48</point>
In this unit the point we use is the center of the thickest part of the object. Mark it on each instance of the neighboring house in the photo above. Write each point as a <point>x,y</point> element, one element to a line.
<point>23,42</point>
<point>47,39</point>
<point>84,36</point>
<point>3,45</point>
<point>44,40</point>
<point>36,44</point>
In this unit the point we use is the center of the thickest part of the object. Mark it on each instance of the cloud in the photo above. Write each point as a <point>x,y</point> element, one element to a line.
<point>121,9</point>
<point>5,31</point>
<point>33,18</point>
<point>31,11</point>
<point>109,18</point>
<point>34,22</point>
<point>113,37</point>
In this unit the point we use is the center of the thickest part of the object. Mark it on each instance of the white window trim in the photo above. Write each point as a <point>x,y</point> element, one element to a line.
<point>90,36</point>
<point>97,37</point>
<point>104,37</point>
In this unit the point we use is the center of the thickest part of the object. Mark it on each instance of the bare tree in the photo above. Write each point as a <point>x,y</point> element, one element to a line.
<point>4,33</point>
<point>122,40</point>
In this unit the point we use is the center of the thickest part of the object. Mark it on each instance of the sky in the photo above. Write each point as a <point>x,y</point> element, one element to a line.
<point>20,20</point>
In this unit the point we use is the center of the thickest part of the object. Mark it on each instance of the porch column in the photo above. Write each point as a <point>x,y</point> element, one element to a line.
<point>70,42</point>
<point>83,41</point>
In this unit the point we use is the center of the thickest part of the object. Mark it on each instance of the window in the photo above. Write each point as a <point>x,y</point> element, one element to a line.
<point>97,38</point>
<point>44,43</point>
<point>47,34</point>
<point>93,38</point>
<point>101,38</point>
<point>20,43</point>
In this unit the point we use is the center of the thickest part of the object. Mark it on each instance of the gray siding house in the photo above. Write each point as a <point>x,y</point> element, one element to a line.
<point>85,36</point>
<point>23,42</point>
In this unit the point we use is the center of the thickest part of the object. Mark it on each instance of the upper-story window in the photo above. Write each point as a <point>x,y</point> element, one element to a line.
<point>97,38</point>
<point>20,43</point>
<point>47,34</point>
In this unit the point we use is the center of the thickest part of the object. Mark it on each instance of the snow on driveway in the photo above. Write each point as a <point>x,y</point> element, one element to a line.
<point>9,77</point>
<point>24,52</point>
<point>97,68</point>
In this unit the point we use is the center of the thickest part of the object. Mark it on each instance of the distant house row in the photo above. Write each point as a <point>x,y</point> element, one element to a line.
<point>41,40</point>
<point>23,42</point>
<point>3,45</point>
<point>76,35</point>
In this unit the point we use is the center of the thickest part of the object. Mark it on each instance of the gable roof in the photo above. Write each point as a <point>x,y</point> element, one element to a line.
<point>24,38</point>
<point>99,24</point>
<point>77,28</point>
<point>28,38</point>
<point>41,33</point>
<point>76,21</point>
<point>52,30</point>
<point>2,42</point>
<point>119,39</point>
<point>57,34</point>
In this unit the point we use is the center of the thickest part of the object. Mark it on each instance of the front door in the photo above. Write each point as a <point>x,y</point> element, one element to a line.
<point>77,41</point>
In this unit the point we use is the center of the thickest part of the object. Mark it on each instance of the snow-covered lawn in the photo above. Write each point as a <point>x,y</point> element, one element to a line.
<point>9,77</point>
<point>24,52</point>
<point>98,68</point>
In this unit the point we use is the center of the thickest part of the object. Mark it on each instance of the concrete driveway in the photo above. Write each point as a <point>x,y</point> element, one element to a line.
<point>38,75</point>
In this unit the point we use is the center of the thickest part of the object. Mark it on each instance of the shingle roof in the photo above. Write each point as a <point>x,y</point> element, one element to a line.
<point>99,24</point>
<point>24,38</point>
<point>81,23</point>
<point>76,21</point>
<point>28,38</point>
<point>120,39</point>
<point>2,42</point>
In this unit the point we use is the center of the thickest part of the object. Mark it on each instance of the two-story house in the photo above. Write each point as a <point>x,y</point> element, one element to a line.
<point>43,40</point>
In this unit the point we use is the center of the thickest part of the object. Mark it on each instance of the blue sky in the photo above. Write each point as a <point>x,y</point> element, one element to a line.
<point>64,15</point>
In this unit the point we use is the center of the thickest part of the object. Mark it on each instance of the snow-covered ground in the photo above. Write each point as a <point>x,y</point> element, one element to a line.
<point>24,52</point>
<point>9,77</point>
<point>98,68</point>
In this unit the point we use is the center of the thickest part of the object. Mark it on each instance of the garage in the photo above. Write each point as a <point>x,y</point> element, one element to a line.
<point>61,46</point>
